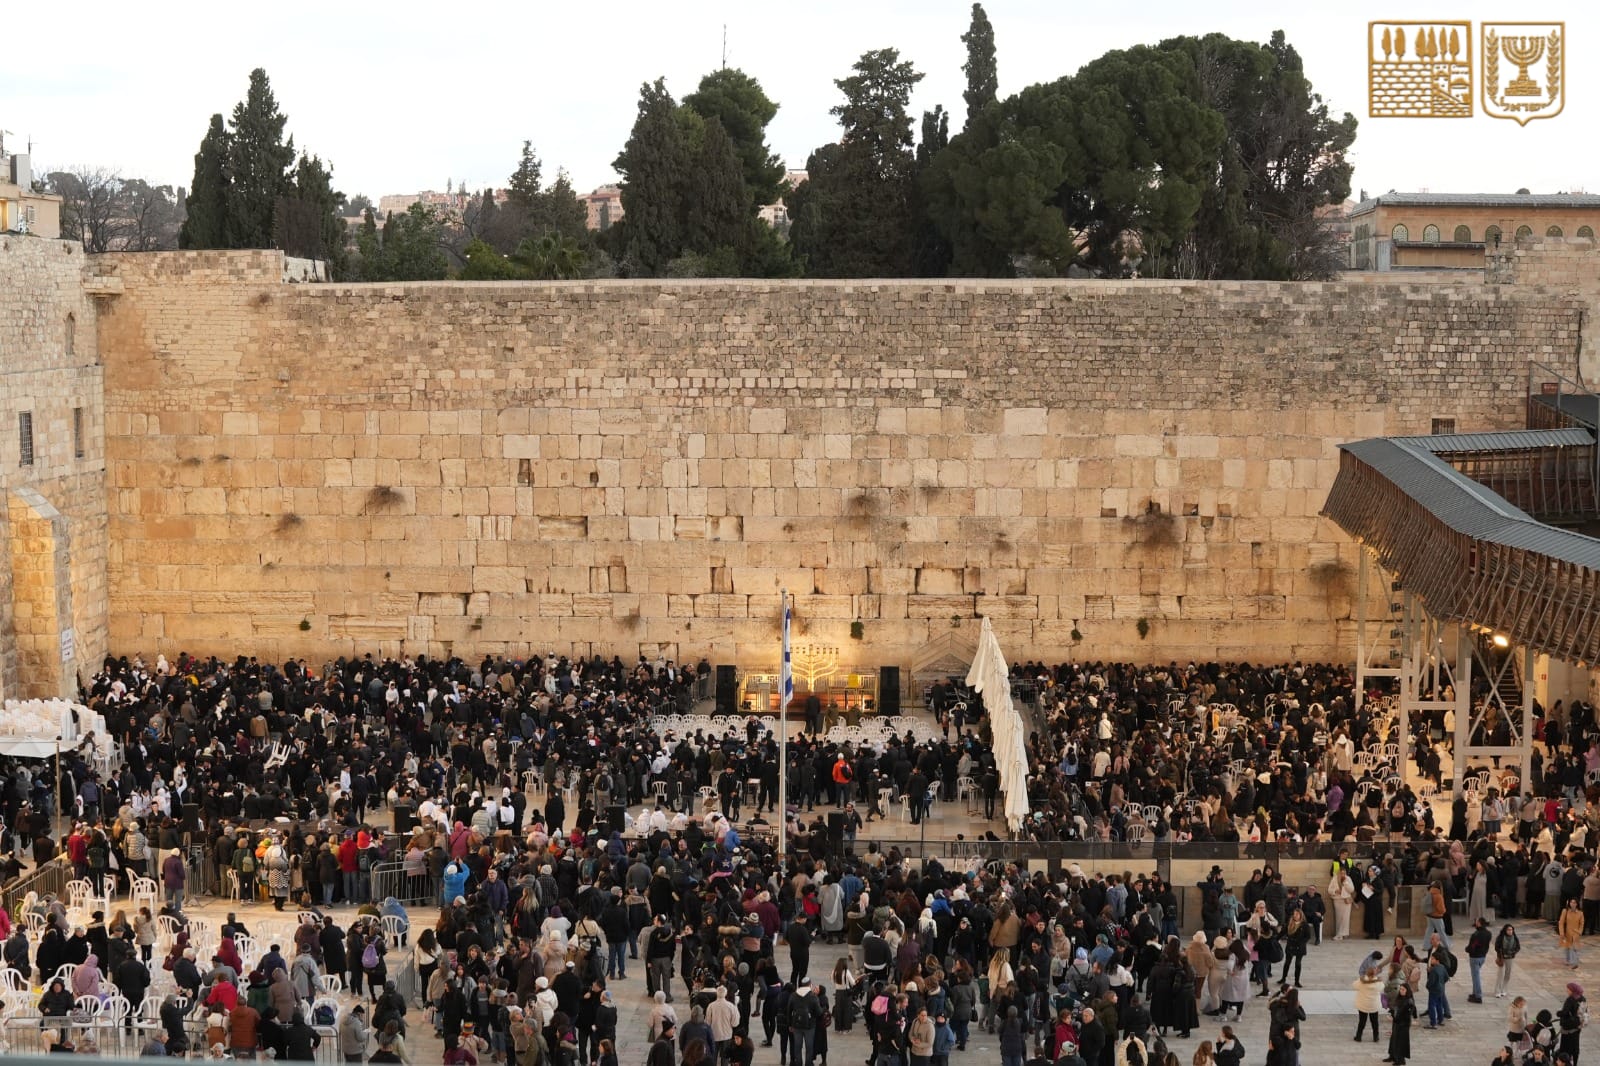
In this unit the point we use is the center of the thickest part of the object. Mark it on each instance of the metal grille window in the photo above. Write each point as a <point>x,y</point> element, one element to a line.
<point>77,433</point>
<point>25,436</point>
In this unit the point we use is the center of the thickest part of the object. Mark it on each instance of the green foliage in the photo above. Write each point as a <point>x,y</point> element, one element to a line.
<point>205,223</point>
<point>736,100</point>
<point>983,77</point>
<point>258,163</point>
<point>483,263</point>
<point>931,250</point>
<point>1284,157</point>
<point>408,248</point>
<point>552,257</point>
<point>1203,157</point>
<point>718,214</point>
<point>654,165</point>
<point>249,191</point>
<point>852,217</point>
<point>525,180</point>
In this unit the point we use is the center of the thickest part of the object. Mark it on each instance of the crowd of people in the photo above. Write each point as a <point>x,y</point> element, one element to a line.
<point>269,778</point>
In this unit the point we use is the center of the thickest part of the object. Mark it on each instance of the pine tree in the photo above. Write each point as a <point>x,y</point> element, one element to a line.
<point>525,180</point>
<point>654,165</point>
<point>717,213</point>
<point>259,160</point>
<point>205,225</point>
<point>737,100</point>
<point>983,80</point>
<point>313,187</point>
<point>852,216</point>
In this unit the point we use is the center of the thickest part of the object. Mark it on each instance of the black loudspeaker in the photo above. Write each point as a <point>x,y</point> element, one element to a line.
<point>727,690</point>
<point>836,830</point>
<point>405,818</point>
<point>616,817</point>
<point>888,690</point>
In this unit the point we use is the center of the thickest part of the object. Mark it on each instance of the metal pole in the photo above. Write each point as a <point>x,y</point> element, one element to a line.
<point>1463,709</point>
<point>58,792</point>
<point>783,734</point>
<point>1361,630</point>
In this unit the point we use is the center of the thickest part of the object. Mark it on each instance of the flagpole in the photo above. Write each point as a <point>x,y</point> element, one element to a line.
<point>785,689</point>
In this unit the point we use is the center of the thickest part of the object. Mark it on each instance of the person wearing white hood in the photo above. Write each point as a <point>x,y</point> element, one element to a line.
<point>546,999</point>
<point>661,1013</point>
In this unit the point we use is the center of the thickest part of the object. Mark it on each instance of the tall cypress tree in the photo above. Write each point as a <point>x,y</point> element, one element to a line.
<point>717,214</point>
<point>259,162</point>
<point>983,79</point>
<point>654,165</point>
<point>205,225</point>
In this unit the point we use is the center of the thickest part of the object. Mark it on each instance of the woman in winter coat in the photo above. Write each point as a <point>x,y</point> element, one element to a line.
<point>1506,948</point>
<point>1202,964</point>
<point>920,1037</point>
<point>1403,1011</point>
<point>280,993</point>
<point>1569,929</point>
<point>1236,986</point>
<point>1369,1000</point>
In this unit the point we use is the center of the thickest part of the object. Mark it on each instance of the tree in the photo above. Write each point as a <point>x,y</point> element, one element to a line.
<point>737,101</point>
<point>1283,158</point>
<point>525,181</point>
<point>259,161</point>
<point>317,227</point>
<point>408,248</point>
<point>206,209</point>
<point>358,205</point>
<point>552,257</point>
<point>654,165</point>
<point>852,216</point>
<point>931,251</point>
<point>109,213</point>
<point>983,78</point>
<point>717,214</point>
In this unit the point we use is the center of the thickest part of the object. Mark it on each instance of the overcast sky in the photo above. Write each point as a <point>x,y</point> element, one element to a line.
<point>400,96</point>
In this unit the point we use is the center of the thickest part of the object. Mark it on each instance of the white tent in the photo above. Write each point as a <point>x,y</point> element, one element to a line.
<point>29,728</point>
<point>991,678</point>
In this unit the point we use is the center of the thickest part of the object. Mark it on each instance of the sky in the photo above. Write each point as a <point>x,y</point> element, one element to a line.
<point>401,96</point>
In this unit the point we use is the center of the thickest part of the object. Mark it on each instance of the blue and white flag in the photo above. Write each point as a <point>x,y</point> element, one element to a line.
<point>786,678</point>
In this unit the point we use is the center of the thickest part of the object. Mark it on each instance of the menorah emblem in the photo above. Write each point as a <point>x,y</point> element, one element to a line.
<point>1537,50</point>
<point>1524,52</point>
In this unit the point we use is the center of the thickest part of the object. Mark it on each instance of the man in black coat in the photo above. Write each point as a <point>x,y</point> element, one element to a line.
<point>132,979</point>
<point>1091,1038</point>
<point>798,937</point>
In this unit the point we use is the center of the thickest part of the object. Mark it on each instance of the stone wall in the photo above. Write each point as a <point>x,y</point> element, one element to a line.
<point>1127,470</point>
<point>53,542</point>
<point>1569,267</point>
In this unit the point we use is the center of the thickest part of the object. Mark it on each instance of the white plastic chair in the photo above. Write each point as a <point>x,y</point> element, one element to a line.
<point>65,972</point>
<point>394,927</point>
<point>112,1017</point>
<point>12,981</point>
<point>333,984</point>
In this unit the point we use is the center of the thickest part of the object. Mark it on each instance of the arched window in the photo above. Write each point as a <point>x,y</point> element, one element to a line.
<point>71,333</point>
<point>1430,234</point>
<point>1491,235</point>
<point>1524,231</point>
<point>1553,231</point>
<point>1463,235</point>
<point>1586,232</point>
<point>1400,233</point>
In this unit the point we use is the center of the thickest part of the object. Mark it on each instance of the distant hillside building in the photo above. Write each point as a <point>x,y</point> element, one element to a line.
<point>22,209</point>
<point>1450,231</point>
<point>604,206</point>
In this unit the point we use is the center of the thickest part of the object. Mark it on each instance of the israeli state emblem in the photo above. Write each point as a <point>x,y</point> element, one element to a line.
<point>1524,70</point>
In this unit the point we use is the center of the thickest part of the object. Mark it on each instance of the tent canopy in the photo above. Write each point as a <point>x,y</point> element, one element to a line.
<point>29,728</point>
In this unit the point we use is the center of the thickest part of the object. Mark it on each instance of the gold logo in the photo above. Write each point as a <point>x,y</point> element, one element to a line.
<point>1524,70</point>
<point>1419,69</point>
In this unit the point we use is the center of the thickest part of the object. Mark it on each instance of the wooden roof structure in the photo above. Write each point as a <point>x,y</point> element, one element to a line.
<point>1465,521</point>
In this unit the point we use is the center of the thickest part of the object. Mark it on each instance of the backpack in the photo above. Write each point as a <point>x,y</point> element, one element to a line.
<point>1450,962</point>
<point>324,1014</point>
<point>369,957</point>
<point>247,864</point>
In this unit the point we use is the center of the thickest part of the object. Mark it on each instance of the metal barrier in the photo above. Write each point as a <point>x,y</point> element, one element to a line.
<point>390,879</point>
<point>48,880</point>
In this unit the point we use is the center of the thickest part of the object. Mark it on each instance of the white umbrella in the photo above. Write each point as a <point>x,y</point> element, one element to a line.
<point>990,678</point>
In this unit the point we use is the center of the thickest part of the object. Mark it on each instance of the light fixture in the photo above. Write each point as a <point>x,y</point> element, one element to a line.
<point>1502,641</point>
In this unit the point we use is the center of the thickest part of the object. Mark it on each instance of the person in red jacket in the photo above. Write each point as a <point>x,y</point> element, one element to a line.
<point>350,866</point>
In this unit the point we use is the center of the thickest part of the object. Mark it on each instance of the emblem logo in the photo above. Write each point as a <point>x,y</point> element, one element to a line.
<point>1419,69</point>
<point>1524,70</point>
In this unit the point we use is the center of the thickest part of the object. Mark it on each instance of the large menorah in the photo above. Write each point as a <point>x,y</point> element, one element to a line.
<point>1524,52</point>
<point>814,662</point>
